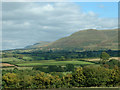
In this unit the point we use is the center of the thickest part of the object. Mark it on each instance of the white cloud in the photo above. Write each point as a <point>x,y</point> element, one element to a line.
<point>27,23</point>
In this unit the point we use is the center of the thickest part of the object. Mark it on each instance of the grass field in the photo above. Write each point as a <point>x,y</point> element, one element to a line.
<point>11,59</point>
<point>98,59</point>
<point>19,68</point>
<point>52,62</point>
<point>22,63</point>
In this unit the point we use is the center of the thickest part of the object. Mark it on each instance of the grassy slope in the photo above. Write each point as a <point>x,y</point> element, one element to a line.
<point>93,39</point>
<point>38,45</point>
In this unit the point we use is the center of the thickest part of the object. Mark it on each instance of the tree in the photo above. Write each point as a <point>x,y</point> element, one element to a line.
<point>52,68</point>
<point>11,80</point>
<point>67,81</point>
<point>62,58</point>
<point>26,81</point>
<point>96,76</point>
<point>104,57</point>
<point>55,68</point>
<point>69,67</point>
<point>78,77</point>
<point>43,80</point>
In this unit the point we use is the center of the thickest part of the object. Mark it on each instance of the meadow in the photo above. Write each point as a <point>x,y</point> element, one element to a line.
<point>51,62</point>
<point>11,59</point>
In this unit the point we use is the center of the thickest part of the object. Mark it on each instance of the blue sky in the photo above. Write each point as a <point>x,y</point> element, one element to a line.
<point>27,23</point>
<point>103,9</point>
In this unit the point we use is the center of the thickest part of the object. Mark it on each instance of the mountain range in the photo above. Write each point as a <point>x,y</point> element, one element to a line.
<point>90,39</point>
<point>38,45</point>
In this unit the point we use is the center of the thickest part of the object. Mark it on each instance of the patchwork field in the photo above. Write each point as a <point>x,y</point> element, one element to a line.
<point>51,62</point>
<point>12,62</point>
<point>98,59</point>
<point>11,59</point>
<point>19,68</point>
<point>6,64</point>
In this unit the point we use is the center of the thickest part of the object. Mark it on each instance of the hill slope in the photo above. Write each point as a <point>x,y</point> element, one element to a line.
<point>38,45</point>
<point>88,40</point>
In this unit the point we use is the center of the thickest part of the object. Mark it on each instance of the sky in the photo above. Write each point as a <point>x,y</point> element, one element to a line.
<point>26,23</point>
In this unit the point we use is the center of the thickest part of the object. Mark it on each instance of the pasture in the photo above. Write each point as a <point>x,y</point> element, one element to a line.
<point>53,62</point>
<point>98,59</point>
<point>19,68</point>
<point>11,59</point>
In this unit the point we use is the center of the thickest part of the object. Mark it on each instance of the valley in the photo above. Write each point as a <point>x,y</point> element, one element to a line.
<point>73,61</point>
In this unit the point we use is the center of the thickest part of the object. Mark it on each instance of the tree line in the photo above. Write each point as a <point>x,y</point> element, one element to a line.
<point>87,76</point>
<point>60,55</point>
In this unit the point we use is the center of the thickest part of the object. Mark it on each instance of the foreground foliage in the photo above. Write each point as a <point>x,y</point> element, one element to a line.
<point>88,76</point>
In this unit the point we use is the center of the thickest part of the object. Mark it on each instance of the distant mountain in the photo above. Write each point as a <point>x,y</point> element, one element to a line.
<point>38,45</point>
<point>90,39</point>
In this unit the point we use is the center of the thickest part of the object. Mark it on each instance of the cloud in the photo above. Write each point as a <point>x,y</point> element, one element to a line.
<point>101,6</point>
<point>28,23</point>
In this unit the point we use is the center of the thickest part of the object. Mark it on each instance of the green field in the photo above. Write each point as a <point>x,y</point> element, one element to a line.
<point>19,68</point>
<point>22,63</point>
<point>11,59</point>
<point>52,62</point>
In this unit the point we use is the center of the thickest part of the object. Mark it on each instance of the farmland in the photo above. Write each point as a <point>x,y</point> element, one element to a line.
<point>21,64</point>
<point>61,68</point>
<point>31,59</point>
<point>11,63</point>
<point>54,63</point>
<point>11,59</point>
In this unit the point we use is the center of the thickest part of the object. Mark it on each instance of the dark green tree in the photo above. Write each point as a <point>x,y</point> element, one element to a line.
<point>69,67</point>
<point>79,79</point>
<point>62,58</point>
<point>104,57</point>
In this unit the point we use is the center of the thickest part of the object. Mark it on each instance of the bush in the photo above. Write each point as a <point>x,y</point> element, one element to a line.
<point>70,67</point>
<point>113,62</point>
<point>88,76</point>
<point>11,80</point>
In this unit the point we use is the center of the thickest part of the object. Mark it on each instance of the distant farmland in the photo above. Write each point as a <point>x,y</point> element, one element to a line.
<point>51,62</point>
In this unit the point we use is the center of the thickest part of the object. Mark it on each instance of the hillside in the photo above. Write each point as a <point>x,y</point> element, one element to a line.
<point>88,40</point>
<point>38,45</point>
